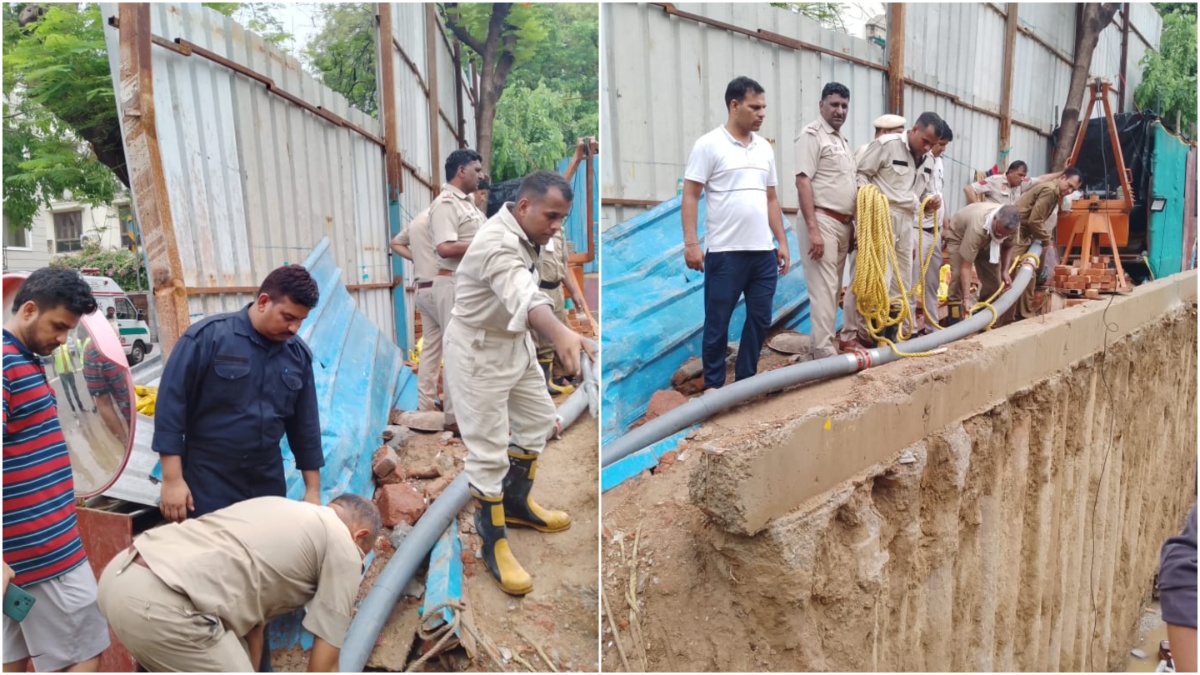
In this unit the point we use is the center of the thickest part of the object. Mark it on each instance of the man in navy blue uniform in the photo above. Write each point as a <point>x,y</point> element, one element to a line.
<point>234,385</point>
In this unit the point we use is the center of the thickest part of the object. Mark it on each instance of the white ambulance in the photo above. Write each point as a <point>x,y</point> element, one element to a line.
<point>128,321</point>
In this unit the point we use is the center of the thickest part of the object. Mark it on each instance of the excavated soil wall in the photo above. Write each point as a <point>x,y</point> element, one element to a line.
<point>910,527</point>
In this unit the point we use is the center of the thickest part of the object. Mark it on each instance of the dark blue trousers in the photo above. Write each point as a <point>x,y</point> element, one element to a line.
<point>728,275</point>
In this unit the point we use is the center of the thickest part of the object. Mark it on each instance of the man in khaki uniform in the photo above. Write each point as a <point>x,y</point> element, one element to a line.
<point>1037,206</point>
<point>194,596</point>
<point>415,243</point>
<point>977,235</point>
<point>901,166</point>
<point>491,364</point>
<point>453,220</point>
<point>1007,188</point>
<point>825,180</point>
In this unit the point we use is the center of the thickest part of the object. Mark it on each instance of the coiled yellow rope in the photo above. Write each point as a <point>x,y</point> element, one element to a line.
<point>876,251</point>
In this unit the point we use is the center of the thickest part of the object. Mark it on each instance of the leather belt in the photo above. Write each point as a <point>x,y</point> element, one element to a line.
<point>549,285</point>
<point>424,284</point>
<point>840,217</point>
<point>445,273</point>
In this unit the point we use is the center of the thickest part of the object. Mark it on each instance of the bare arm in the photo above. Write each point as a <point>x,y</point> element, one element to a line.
<point>775,220</point>
<point>453,249</point>
<point>816,244</point>
<point>312,486</point>
<point>969,193</point>
<point>402,250</point>
<point>1183,647</point>
<point>176,500</point>
<point>254,643</point>
<point>324,657</point>
<point>693,252</point>
<point>567,343</point>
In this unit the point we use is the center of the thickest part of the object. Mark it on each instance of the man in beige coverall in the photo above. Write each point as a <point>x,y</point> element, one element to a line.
<point>901,166</point>
<point>415,242</point>
<point>491,364</point>
<point>453,220</point>
<point>825,180</point>
<point>977,235</point>
<point>194,596</point>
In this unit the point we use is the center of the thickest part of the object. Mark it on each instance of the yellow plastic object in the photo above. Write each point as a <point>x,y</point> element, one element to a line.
<point>146,396</point>
<point>414,355</point>
<point>944,283</point>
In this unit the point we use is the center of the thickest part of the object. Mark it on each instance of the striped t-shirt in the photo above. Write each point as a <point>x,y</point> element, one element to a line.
<point>41,534</point>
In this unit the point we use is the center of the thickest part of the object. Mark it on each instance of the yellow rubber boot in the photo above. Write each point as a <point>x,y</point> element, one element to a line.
<point>519,508</point>
<point>489,523</point>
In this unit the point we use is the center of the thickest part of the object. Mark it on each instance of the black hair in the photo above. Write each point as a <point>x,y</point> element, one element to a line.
<point>51,287</point>
<point>837,88</point>
<point>538,183</point>
<point>1073,172</point>
<point>293,282</point>
<point>947,134</point>
<point>459,159</point>
<point>931,118</point>
<point>1017,166</point>
<point>362,510</point>
<point>737,89</point>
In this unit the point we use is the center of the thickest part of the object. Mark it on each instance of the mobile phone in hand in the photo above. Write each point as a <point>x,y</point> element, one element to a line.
<point>17,603</point>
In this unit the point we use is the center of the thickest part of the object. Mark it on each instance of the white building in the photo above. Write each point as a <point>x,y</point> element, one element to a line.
<point>64,228</point>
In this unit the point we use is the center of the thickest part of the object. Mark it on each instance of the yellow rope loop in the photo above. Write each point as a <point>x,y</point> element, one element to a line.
<point>876,251</point>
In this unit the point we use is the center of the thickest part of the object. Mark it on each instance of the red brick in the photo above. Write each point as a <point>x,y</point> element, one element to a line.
<point>384,462</point>
<point>400,503</point>
<point>662,401</point>
<point>667,459</point>
<point>436,487</point>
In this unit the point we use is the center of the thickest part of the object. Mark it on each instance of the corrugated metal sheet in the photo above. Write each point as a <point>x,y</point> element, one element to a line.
<point>254,181</point>
<point>664,77</point>
<point>654,309</point>
<point>576,225</point>
<point>1168,181</point>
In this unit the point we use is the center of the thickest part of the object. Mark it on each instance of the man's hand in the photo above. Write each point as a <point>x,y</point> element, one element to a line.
<point>9,574</point>
<point>782,258</point>
<point>567,345</point>
<point>966,309</point>
<point>816,244</point>
<point>1006,278</point>
<point>934,204</point>
<point>312,497</point>
<point>176,500</point>
<point>693,255</point>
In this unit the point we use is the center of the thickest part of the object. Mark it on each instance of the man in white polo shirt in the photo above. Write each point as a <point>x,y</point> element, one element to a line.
<point>735,168</point>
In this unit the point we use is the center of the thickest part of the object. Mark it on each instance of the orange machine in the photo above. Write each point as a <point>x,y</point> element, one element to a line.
<point>1093,217</point>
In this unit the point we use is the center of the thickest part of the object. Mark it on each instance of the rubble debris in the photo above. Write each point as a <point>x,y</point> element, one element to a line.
<point>400,503</point>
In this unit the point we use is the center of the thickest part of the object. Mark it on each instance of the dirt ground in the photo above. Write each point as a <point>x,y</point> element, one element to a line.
<point>560,615</point>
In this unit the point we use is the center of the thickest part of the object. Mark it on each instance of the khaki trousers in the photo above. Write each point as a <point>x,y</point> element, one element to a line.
<point>443,299</point>
<point>161,628</point>
<point>431,352</point>
<point>824,280</point>
<point>502,396</point>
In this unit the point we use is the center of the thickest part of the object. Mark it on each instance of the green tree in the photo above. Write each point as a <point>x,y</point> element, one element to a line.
<point>531,131</point>
<point>1169,77</point>
<point>828,14</point>
<point>499,37</point>
<point>124,266</point>
<point>343,53</point>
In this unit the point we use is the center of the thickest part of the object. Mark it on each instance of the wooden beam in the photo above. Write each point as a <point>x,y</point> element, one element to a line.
<point>1006,76</point>
<point>1124,55</point>
<point>431,72</point>
<point>460,120</point>
<point>147,177</point>
<point>387,71</point>
<point>895,65</point>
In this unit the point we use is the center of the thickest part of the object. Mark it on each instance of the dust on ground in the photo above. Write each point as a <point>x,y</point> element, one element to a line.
<point>559,615</point>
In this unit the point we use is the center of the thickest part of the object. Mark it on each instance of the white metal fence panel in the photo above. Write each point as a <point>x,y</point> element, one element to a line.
<point>255,181</point>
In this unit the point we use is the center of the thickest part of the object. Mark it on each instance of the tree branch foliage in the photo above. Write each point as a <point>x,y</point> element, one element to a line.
<point>1169,77</point>
<point>343,53</point>
<point>123,265</point>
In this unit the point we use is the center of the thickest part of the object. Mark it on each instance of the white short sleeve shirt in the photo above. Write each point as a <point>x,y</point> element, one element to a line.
<point>735,179</point>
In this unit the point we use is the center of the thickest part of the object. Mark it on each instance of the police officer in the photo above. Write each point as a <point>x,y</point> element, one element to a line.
<point>491,365</point>
<point>453,220</point>
<point>901,166</point>
<point>825,180</point>
<point>1038,206</point>
<point>977,235</point>
<point>234,385</point>
<point>415,243</point>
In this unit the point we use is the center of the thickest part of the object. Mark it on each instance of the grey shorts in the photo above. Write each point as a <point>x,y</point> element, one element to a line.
<point>64,627</point>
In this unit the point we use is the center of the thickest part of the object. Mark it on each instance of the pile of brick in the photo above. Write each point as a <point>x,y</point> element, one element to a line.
<point>1089,279</point>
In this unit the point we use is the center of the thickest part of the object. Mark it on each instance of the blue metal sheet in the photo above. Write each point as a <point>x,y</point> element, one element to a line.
<point>1169,169</point>
<point>627,467</point>
<point>654,309</point>
<point>444,581</point>
<point>576,225</point>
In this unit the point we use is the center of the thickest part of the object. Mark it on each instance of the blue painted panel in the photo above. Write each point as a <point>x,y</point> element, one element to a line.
<point>444,581</point>
<point>398,293</point>
<point>627,467</point>
<point>576,225</point>
<point>1169,170</point>
<point>654,310</point>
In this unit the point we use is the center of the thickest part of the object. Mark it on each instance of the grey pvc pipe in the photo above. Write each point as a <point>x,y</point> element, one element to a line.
<point>706,406</point>
<point>376,607</point>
